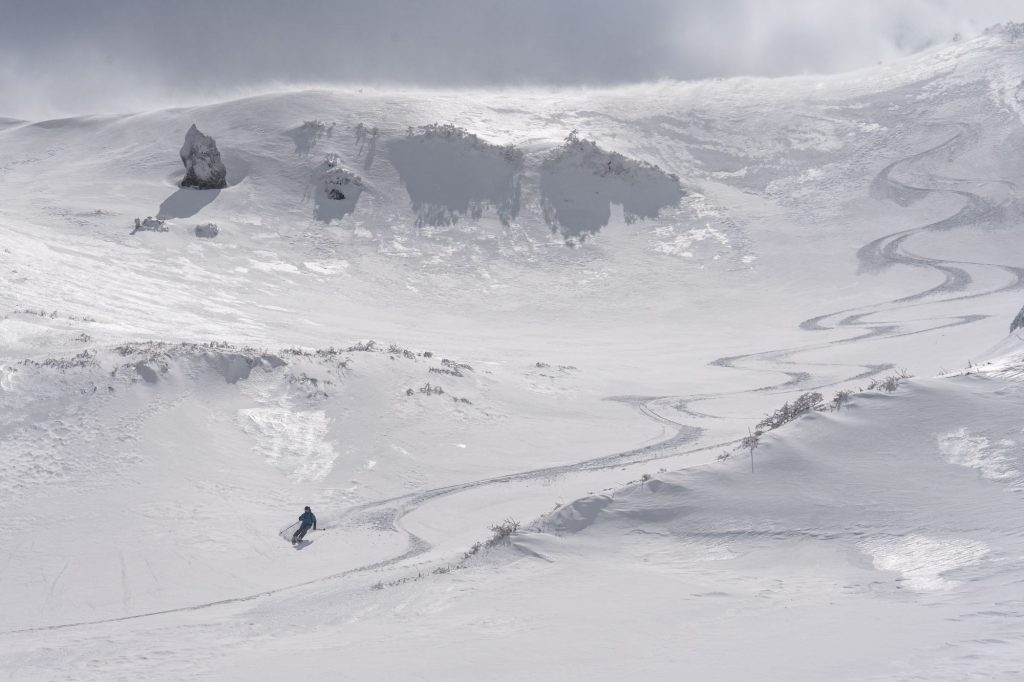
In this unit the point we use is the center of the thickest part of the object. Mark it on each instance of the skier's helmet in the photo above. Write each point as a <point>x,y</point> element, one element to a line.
<point>307,508</point>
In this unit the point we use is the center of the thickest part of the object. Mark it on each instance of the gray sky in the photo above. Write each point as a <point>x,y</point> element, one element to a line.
<point>78,56</point>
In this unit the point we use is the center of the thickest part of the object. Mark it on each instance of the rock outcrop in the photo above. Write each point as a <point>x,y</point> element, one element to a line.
<point>339,184</point>
<point>338,192</point>
<point>203,166</point>
<point>207,231</point>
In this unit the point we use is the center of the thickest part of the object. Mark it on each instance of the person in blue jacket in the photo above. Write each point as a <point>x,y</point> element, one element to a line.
<point>307,520</point>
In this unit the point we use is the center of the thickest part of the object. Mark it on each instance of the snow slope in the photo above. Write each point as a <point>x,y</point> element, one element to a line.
<point>879,542</point>
<point>566,290</point>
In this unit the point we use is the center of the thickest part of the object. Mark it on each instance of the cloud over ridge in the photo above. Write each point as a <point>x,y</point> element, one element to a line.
<point>63,56</point>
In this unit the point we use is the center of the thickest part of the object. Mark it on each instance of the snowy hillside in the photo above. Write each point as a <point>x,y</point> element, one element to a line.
<point>427,314</point>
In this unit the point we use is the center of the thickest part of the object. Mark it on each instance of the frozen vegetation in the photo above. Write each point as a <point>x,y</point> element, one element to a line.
<point>149,224</point>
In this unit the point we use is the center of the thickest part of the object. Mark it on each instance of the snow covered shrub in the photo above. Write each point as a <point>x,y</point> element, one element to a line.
<point>750,442</point>
<point>428,389</point>
<point>450,131</point>
<point>41,313</point>
<point>363,346</point>
<point>502,532</point>
<point>1012,30</point>
<point>314,388</point>
<point>316,128</point>
<point>364,133</point>
<point>891,382</point>
<point>395,349</point>
<point>790,411</point>
<point>86,358</point>
<point>149,224</point>
<point>840,398</point>
<point>451,368</point>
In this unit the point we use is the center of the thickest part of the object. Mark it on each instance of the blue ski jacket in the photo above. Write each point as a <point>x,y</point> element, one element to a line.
<point>308,519</point>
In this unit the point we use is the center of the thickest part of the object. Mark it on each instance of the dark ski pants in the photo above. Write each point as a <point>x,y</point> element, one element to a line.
<point>301,532</point>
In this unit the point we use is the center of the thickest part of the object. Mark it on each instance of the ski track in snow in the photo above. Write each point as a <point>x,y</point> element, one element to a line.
<point>879,254</point>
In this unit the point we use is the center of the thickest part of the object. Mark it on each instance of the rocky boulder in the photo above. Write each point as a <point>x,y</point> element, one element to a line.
<point>203,166</point>
<point>1018,322</point>
<point>207,231</point>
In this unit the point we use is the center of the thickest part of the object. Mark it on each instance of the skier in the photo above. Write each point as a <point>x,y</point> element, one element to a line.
<point>307,520</point>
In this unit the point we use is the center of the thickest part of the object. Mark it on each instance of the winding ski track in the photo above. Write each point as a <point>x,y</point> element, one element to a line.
<point>886,252</point>
<point>876,256</point>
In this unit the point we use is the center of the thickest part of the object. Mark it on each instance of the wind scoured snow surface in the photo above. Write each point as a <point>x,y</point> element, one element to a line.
<point>552,320</point>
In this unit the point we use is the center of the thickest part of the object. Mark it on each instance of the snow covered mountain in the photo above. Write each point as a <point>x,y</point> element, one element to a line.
<point>429,313</point>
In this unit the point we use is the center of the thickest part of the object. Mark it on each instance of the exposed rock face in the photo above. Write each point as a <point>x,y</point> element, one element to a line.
<point>1018,322</point>
<point>339,191</point>
<point>203,167</point>
<point>207,231</point>
<point>339,183</point>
